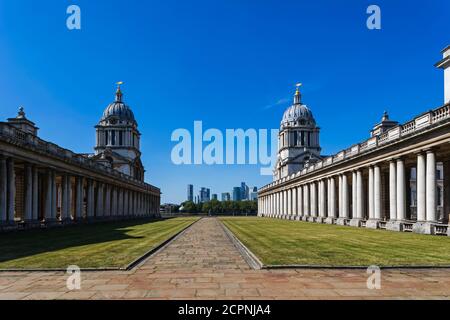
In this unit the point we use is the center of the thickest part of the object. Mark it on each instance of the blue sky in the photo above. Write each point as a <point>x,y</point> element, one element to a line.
<point>221,62</point>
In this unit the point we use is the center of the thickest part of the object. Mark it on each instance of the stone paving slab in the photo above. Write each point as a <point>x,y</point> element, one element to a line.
<point>204,264</point>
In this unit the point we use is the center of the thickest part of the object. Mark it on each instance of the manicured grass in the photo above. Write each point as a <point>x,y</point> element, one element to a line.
<point>113,244</point>
<point>283,242</point>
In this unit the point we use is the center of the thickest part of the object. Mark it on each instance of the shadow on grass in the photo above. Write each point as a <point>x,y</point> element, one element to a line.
<point>21,244</point>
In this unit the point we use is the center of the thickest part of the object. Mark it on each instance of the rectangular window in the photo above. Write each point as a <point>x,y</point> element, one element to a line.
<point>120,138</point>
<point>106,137</point>
<point>113,138</point>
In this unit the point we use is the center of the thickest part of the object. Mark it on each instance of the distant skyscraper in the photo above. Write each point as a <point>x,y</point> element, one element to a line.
<point>190,192</point>
<point>253,195</point>
<point>214,196</point>
<point>204,195</point>
<point>244,191</point>
<point>237,194</point>
<point>226,196</point>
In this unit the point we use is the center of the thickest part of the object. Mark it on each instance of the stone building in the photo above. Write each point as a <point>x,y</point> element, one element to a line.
<point>398,179</point>
<point>298,139</point>
<point>44,184</point>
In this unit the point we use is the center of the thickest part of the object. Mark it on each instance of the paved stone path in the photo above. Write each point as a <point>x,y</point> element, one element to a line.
<point>204,264</point>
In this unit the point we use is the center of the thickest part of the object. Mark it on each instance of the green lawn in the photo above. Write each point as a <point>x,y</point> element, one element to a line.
<point>283,242</point>
<point>113,244</point>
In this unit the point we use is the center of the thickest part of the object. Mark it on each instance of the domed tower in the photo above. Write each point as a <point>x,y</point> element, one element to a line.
<point>118,139</point>
<point>298,139</point>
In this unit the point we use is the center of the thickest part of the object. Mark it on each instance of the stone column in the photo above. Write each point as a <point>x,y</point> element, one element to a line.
<point>345,197</point>
<point>100,201</point>
<point>392,191</point>
<point>339,199</point>
<point>294,202</point>
<point>289,202</point>
<point>332,191</point>
<point>3,191</point>
<point>54,198</point>
<point>126,208</point>
<point>401,191</point>
<point>11,191</point>
<point>328,199</point>
<point>114,201</point>
<point>107,211</point>
<point>354,196</point>
<point>119,202</point>
<point>322,200</point>
<point>431,187</point>
<point>65,201</point>
<point>35,208</point>
<point>373,222</point>
<point>299,202</point>
<point>421,188</point>
<point>313,199</point>
<point>79,198</point>
<point>90,198</point>
<point>28,207</point>
<point>370,194</point>
<point>284,204</point>
<point>357,198</point>
<point>360,195</point>
<point>306,201</point>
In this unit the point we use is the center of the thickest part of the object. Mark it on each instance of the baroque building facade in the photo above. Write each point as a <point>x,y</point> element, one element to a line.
<point>398,179</point>
<point>43,184</point>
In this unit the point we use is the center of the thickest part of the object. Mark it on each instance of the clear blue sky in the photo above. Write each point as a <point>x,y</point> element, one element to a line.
<point>222,62</point>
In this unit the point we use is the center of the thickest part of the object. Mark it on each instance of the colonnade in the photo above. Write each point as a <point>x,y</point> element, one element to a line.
<point>33,195</point>
<point>375,195</point>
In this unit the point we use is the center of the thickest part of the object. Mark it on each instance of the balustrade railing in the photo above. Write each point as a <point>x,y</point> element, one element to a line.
<point>21,137</point>
<point>425,120</point>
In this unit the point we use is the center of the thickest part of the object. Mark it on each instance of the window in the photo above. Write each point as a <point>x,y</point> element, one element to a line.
<point>113,138</point>
<point>106,133</point>
<point>295,138</point>
<point>120,138</point>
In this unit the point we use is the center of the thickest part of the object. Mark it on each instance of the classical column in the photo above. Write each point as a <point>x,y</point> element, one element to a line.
<point>354,195</point>
<point>114,201</point>
<point>401,190</point>
<point>54,204</point>
<point>421,187</point>
<point>90,198</point>
<point>322,205</point>
<point>431,187</point>
<point>370,194</point>
<point>339,208</point>
<point>107,210</point>
<point>329,198</point>
<point>300,201</point>
<point>11,192</point>
<point>50,201</point>
<point>65,201</point>
<point>3,191</point>
<point>100,201</point>
<point>313,199</point>
<point>289,202</point>
<point>28,205</point>
<point>284,203</point>
<point>377,192</point>
<point>294,202</point>
<point>392,191</point>
<point>35,207</point>
<point>79,198</point>
<point>332,191</point>
<point>306,201</point>
<point>360,195</point>
<point>120,202</point>
<point>126,208</point>
<point>345,198</point>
